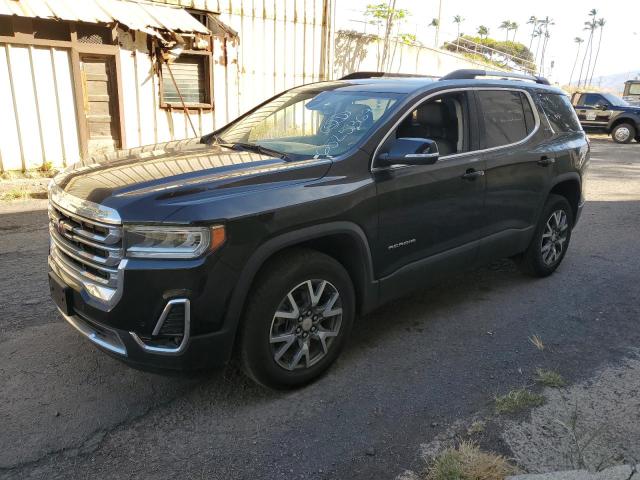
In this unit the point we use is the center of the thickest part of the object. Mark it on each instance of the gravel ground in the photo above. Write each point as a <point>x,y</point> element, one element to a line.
<point>412,369</point>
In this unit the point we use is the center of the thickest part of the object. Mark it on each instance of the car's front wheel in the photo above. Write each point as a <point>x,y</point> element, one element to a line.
<point>298,316</point>
<point>550,240</point>
<point>623,133</point>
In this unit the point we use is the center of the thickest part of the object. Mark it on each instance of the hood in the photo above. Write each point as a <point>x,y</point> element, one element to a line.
<point>173,172</point>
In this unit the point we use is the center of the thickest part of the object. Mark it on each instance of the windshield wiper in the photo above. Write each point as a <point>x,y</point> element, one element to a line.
<point>254,147</point>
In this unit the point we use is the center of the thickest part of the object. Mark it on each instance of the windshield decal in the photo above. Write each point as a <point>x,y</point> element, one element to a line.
<point>339,127</point>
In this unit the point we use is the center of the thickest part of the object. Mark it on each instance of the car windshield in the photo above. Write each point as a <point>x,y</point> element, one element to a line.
<point>310,121</point>
<point>616,101</point>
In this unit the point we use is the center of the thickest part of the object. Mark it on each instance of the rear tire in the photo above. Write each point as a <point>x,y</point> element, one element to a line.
<point>550,240</point>
<point>623,133</point>
<point>299,314</point>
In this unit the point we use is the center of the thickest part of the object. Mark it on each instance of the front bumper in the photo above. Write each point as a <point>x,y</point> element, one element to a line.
<point>148,289</point>
<point>202,351</point>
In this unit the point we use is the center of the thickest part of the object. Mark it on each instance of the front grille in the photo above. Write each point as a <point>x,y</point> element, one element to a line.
<point>85,248</point>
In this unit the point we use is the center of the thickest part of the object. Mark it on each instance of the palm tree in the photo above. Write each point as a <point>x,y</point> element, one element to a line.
<point>435,23</point>
<point>514,27</point>
<point>506,25</point>
<point>458,20</point>
<point>539,33</point>
<point>533,20</point>
<point>545,23</point>
<point>591,26</point>
<point>579,41</point>
<point>482,31</point>
<point>600,24</point>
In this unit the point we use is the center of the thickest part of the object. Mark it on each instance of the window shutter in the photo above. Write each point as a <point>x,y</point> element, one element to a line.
<point>190,78</point>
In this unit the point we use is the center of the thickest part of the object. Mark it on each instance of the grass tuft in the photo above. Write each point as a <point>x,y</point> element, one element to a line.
<point>468,462</point>
<point>537,342</point>
<point>18,193</point>
<point>549,378</point>
<point>477,427</point>
<point>517,400</point>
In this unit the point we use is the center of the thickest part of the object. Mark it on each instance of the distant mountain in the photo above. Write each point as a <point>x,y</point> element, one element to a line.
<point>615,82</point>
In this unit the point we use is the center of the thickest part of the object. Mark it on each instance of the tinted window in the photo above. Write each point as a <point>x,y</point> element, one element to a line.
<point>560,112</point>
<point>504,117</point>
<point>592,99</point>
<point>528,113</point>
<point>634,89</point>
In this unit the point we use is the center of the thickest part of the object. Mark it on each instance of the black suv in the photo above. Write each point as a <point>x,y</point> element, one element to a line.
<point>267,237</point>
<point>606,113</point>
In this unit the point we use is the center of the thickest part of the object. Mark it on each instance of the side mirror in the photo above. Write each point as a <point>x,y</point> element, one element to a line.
<point>409,151</point>
<point>601,107</point>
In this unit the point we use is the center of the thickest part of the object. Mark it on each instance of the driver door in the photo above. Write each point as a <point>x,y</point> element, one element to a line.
<point>594,111</point>
<point>430,216</point>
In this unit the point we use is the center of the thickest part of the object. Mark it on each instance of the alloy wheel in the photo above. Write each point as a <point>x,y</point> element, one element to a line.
<point>554,237</point>
<point>305,324</point>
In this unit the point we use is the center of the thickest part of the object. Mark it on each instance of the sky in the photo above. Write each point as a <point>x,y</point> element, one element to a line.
<point>620,51</point>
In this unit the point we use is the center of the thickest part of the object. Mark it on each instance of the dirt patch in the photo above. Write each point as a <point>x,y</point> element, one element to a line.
<point>592,425</point>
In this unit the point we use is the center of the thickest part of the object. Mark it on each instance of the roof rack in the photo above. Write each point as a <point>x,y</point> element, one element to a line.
<point>359,75</point>
<point>469,73</point>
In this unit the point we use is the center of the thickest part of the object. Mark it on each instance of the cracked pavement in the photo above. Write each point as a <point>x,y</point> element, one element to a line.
<point>410,369</point>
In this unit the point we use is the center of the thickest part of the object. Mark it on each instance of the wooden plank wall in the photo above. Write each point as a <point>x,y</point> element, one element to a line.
<point>38,109</point>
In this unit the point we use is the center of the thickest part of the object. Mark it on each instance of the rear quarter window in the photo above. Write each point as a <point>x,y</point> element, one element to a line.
<point>560,113</point>
<point>507,117</point>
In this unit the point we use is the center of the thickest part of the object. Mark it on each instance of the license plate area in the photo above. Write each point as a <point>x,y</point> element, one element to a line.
<point>61,294</point>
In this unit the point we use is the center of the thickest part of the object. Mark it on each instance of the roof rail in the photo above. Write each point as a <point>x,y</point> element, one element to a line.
<point>469,73</point>
<point>358,75</point>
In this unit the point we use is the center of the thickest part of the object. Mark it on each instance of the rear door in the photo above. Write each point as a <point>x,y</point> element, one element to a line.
<point>594,111</point>
<point>518,169</point>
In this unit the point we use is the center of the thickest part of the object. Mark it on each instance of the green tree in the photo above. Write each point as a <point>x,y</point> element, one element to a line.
<point>386,15</point>
<point>506,25</point>
<point>514,26</point>
<point>482,31</point>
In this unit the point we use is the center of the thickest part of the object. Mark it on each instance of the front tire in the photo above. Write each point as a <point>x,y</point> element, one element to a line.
<point>550,240</point>
<point>623,133</point>
<point>300,311</point>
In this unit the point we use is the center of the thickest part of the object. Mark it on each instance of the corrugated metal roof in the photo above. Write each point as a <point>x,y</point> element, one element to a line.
<point>146,17</point>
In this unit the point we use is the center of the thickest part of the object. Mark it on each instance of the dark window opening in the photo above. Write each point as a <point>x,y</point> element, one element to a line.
<point>560,113</point>
<point>6,26</point>
<point>444,120</point>
<point>50,30</point>
<point>191,75</point>
<point>504,117</point>
<point>592,99</point>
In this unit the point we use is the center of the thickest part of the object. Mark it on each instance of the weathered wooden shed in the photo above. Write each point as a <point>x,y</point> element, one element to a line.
<point>79,78</point>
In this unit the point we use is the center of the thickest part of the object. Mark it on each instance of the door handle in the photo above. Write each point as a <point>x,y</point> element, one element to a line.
<point>546,161</point>
<point>472,174</point>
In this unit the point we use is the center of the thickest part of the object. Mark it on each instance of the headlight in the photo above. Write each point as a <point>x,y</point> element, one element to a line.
<point>171,242</point>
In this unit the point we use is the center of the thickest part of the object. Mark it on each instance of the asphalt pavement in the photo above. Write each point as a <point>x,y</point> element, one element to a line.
<point>410,371</point>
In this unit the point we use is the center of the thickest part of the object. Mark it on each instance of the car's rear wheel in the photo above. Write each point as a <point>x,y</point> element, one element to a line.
<point>623,133</point>
<point>550,240</point>
<point>299,315</point>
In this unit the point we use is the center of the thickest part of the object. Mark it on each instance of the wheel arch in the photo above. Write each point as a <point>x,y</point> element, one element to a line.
<point>632,119</point>
<point>568,185</point>
<point>344,241</point>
